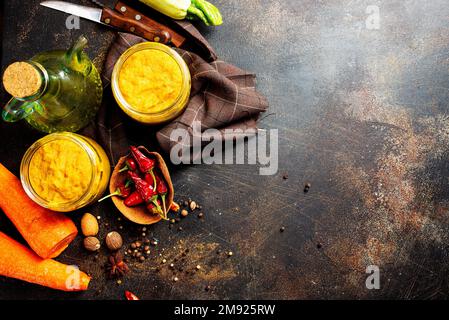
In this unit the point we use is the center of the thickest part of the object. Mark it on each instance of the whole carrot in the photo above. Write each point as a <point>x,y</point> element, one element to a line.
<point>48,233</point>
<point>19,262</point>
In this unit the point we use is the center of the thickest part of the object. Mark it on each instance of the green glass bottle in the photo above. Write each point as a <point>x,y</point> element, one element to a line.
<point>55,90</point>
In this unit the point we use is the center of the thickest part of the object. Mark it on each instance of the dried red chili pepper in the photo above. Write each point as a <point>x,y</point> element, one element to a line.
<point>146,165</point>
<point>145,190</point>
<point>134,199</point>
<point>130,164</point>
<point>152,208</point>
<point>123,191</point>
<point>161,189</point>
<point>130,296</point>
<point>175,207</point>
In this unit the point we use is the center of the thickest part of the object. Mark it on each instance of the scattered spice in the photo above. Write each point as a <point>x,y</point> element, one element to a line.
<point>89,225</point>
<point>230,253</point>
<point>175,279</point>
<point>184,213</point>
<point>174,207</point>
<point>116,267</point>
<point>200,215</point>
<point>91,244</point>
<point>114,241</point>
<point>192,205</point>
<point>285,176</point>
<point>282,229</point>
<point>307,187</point>
<point>319,245</point>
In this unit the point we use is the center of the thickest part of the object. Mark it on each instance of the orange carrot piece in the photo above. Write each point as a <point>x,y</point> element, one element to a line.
<point>19,262</point>
<point>48,233</point>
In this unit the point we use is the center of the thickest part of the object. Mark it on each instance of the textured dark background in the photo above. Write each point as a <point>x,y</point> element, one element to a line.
<point>362,115</point>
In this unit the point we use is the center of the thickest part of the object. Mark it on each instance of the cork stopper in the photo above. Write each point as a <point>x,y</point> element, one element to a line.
<point>21,80</point>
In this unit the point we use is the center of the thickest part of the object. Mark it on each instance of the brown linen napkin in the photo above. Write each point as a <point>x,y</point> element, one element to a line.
<point>222,96</point>
<point>196,42</point>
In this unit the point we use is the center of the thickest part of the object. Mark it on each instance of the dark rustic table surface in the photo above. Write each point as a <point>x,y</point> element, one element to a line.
<point>362,116</point>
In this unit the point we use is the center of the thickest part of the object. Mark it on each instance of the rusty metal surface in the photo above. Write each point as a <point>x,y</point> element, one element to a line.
<point>362,115</point>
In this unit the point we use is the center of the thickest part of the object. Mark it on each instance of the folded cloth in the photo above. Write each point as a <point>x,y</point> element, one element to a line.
<point>197,43</point>
<point>222,97</point>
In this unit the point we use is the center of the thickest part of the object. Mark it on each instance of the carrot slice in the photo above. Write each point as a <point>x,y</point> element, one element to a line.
<point>48,233</point>
<point>19,262</point>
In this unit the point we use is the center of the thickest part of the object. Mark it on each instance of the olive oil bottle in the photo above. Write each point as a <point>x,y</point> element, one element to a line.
<point>54,90</point>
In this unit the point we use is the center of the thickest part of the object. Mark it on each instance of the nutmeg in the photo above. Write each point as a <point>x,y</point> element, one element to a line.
<point>114,241</point>
<point>92,244</point>
<point>89,225</point>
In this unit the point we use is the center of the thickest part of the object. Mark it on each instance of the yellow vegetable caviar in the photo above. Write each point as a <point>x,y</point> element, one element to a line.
<point>60,171</point>
<point>151,83</point>
<point>150,80</point>
<point>65,171</point>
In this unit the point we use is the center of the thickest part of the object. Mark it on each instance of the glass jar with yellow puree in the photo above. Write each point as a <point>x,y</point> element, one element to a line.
<point>151,83</point>
<point>65,171</point>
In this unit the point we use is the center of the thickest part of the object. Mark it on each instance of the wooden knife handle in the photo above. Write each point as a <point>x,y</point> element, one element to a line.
<point>112,18</point>
<point>133,14</point>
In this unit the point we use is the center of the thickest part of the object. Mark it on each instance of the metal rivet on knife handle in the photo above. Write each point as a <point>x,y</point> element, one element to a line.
<point>123,9</point>
<point>157,39</point>
<point>107,20</point>
<point>138,17</point>
<point>132,29</point>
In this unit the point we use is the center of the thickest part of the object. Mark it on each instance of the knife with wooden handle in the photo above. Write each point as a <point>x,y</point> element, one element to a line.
<point>123,23</point>
<point>177,39</point>
<point>111,18</point>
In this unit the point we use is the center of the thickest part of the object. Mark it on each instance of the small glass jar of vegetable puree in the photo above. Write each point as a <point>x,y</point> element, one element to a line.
<point>151,83</point>
<point>65,171</point>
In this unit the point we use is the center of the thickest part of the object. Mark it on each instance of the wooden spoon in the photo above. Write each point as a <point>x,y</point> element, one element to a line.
<point>140,214</point>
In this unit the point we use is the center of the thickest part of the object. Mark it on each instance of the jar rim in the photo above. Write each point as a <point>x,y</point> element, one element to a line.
<point>28,156</point>
<point>186,80</point>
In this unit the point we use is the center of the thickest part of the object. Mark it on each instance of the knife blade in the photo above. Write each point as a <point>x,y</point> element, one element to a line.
<point>112,18</point>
